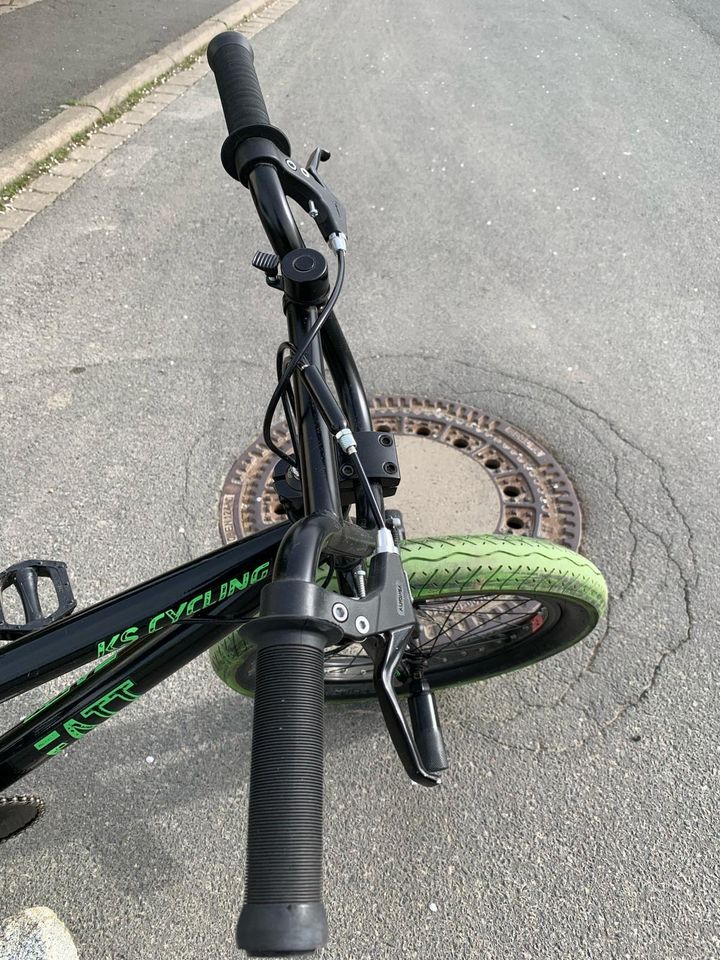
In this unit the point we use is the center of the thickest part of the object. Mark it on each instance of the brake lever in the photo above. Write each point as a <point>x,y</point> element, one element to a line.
<point>318,156</point>
<point>383,621</point>
<point>302,184</point>
<point>386,659</point>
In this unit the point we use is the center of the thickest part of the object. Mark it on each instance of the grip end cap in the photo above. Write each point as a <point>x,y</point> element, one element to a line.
<point>222,39</point>
<point>272,929</point>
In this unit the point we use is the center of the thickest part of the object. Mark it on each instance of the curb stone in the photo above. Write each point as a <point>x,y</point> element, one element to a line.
<point>55,133</point>
<point>7,6</point>
<point>79,119</point>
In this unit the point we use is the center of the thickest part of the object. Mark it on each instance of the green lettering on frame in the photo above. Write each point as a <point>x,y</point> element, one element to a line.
<point>104,706</point>
<point>76,729</point>
<point>237,585</point>
<point>47,740</point>
<point>259,573</point>
<point>204,598</point>
<point>175,615</point>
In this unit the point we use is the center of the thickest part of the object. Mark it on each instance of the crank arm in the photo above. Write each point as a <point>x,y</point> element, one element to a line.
<point>387,656</point>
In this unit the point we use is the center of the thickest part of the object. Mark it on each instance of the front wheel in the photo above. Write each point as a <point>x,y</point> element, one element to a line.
<point>485,605</point>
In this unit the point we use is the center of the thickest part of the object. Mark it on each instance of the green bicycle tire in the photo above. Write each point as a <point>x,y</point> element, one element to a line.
<point>565,585</point>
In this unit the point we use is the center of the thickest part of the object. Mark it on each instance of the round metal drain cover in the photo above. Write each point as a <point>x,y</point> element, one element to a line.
<point>462,470</point>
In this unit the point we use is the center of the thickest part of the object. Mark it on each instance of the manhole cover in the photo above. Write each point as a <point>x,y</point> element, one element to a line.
<point>463,471</point>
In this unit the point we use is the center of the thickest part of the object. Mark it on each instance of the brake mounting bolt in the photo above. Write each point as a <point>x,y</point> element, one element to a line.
<point>340,612</point>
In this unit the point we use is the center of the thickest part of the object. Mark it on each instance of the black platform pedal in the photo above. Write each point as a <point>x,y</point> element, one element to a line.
<point>24,578</point>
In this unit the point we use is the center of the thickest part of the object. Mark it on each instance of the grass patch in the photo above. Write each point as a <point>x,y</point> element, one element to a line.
<point>187,62</point>
<point>114,113</point>
<point>37,170</point>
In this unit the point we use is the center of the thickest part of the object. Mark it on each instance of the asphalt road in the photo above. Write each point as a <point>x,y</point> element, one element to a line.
<point>57,51</point>
<point>533,224</point>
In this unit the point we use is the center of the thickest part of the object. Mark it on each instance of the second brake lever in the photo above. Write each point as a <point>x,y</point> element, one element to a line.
<point>383,621</point>
<point>387,656</point>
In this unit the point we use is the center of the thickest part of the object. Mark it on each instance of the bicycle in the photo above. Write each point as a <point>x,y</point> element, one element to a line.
<point>320,606</point>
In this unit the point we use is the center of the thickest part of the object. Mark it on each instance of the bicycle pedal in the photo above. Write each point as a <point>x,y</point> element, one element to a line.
<point>24,577</point>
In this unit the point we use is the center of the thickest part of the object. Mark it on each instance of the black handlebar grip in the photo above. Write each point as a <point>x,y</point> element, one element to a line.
<point>231,59</point>
<point>283,911</point>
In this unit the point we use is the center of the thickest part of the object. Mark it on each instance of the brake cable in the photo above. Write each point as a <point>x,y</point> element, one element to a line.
<point>291,367</point>
<point>288,402</point>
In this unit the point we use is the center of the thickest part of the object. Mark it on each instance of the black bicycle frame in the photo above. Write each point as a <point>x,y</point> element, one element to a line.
<point>144,634</point>
<point>141,637</point>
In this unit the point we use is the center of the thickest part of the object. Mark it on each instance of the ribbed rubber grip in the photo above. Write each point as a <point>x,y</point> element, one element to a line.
<point>283,910</point>
<point>231,59</point>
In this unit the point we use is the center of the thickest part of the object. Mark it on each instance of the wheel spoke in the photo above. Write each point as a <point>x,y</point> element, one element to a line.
<point>354,658</point>
<point>475,612</point>
<point>481,629</point>
<point>459,596</point>
<point>491,618</point>
<point>334,651</point>
<point>450,613</point>
<point>494,596</point>
<point>453,625</point>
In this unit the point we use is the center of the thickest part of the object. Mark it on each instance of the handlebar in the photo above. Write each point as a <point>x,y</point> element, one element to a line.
<point>253,142</point>
<point>283,911</point>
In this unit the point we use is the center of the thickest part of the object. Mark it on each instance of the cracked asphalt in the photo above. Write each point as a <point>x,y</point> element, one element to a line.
<point>534,230</point>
